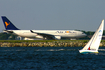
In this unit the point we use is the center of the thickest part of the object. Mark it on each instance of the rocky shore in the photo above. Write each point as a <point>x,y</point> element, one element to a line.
<point>48,44</point>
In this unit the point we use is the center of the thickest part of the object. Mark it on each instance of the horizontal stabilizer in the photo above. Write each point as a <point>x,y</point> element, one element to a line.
<point>8,31</point>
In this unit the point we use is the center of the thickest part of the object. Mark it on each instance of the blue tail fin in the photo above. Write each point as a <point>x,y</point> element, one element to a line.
<point>8,25</point>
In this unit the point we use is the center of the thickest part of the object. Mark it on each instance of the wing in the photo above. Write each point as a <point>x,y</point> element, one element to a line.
<point>48,36</point>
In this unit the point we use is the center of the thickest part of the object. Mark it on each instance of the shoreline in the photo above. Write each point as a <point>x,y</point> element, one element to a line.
<point>48,43</point>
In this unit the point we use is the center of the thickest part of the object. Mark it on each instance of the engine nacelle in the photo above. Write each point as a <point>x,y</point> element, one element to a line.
<point>38,36</point>
<point>28,39</point>
<point>57,37</point>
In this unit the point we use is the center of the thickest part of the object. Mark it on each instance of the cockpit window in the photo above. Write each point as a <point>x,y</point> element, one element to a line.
<point>83,33</point>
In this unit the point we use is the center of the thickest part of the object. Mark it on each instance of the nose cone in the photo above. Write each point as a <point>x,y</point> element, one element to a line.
<point>84,35</point>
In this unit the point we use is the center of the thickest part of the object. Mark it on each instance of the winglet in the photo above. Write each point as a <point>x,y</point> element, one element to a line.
<point>8,25</point>
<point>31,31</point>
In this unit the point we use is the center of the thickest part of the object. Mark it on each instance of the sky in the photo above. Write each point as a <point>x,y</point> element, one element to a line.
<point>53,14</point>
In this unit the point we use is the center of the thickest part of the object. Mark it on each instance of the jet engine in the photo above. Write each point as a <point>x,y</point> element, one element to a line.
<point>38,36</point>
<point>57,37</point>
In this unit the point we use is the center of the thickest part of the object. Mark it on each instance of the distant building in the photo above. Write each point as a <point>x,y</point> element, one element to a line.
<point>103,37</point>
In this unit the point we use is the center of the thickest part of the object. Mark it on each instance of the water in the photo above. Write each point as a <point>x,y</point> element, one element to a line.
<point>50,58</point>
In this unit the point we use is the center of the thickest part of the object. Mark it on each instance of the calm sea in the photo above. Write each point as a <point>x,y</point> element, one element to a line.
<point>50,58</point>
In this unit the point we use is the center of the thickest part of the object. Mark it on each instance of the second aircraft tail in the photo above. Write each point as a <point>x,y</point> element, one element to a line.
<point>8,25</point>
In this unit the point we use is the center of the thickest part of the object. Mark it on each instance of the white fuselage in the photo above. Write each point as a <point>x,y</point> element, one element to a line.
<point>62,33</point>
<point>43,34</point>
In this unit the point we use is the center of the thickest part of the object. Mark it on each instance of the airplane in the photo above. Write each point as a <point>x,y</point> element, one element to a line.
<point>41,34</point>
